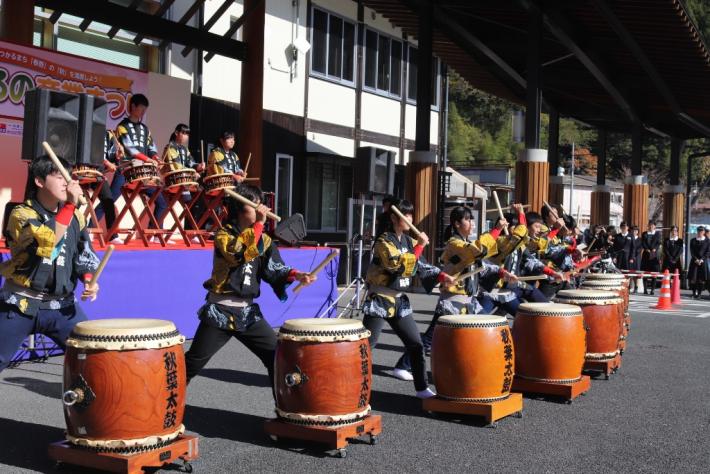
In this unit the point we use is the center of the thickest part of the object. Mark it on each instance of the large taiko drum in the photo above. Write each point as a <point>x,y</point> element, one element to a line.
<point>549,342</point>
<point>603,316</point>
<point>610,282</point>
<point>216,183</point>
<point>124,384</point>
<point>472,358</point>
<point>323,372</point>
<point>142,173</point>
<point>181,180</point>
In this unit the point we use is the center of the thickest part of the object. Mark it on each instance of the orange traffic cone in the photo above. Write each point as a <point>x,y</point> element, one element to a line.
<point>675,289</point>
<point>664,299</point>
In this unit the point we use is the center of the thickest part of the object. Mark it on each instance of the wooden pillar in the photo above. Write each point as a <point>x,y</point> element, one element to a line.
<point>531,178</point>
<point>424,65</point>
<point>556,194</point>
<point>601,205</point>
<point>673,207</point>
<point>421,178</point>
<point>636,201</point>
<point>17,22</point>
<point>251,105</point>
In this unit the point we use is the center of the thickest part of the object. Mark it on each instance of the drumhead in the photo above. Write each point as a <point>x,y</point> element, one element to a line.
<point>323,330</point>
<point>549,309</point>
<point>587,297</point>
<point>472,321</point>
<point>605,284</point>
<point>219,176</point>
<point>604,276</point>
<point>125,334</point>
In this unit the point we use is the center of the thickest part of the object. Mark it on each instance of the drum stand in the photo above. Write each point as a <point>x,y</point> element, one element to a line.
<point>568,391</point>
<point>91,196</point>
<point>129,195</point>
<point>335,437</point>
<point>184,448</point>
<point>606,367</point>
<point>213,211</point>
<point>491,411</point>
<point>186,214</point>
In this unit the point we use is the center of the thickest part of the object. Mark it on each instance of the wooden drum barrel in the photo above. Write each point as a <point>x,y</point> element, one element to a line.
<point>124,384</point>
<point>619,284</point>
<point>323,372</point>
<point>603,316</point>
<point>549,342</point>
<point>472,358</point>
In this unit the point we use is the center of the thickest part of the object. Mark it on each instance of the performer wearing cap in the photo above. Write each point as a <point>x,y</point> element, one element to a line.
<point>50,252</point>
<point>223,159</point>
<point>396,260</point>
<point>243,256</point>
<point>673,252</point>
<point>650,243</point>
<point>699,254</point>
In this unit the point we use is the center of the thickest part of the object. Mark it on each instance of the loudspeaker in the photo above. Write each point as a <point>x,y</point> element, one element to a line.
<point>92,130</point>
<point>53,117</point>
<point>374,170</point>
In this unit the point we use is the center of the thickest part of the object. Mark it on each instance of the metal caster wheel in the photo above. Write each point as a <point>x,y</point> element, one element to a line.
<point>518,414</point>
<point>187,467</point>
<point>342,453</point>
<point>492,425</point>
<point>373,440</point>
<point>274,438</point>
<point>568,402</point>
<point>606,376</point>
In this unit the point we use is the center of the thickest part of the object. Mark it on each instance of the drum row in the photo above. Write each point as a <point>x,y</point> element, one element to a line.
<point>125,379</point>
<point>148,174</point>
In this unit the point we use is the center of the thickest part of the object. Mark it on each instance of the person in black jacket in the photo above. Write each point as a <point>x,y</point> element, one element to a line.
<point>698,265</point>
<point>635,256</point>
<point>672,252</point>
<point>650,242</point>
<point>621,250</point>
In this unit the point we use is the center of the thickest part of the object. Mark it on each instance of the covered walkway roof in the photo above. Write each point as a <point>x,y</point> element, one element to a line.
<point>612,64</point>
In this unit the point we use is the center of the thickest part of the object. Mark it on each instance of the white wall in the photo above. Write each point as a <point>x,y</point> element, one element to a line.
<point>380,114</point>
<point>331,102</point>
<point>322,143</point>
<point>222,77</point>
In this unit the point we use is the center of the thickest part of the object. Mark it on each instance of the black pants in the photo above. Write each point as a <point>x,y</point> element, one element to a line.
<point>106,206</point>
<point>406,329</point>
<point>259,338</point>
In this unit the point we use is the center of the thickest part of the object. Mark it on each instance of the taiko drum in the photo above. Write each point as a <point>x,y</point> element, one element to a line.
<point>603,316</point>
<point>550,342</point>
<point>622,290</point>
<point>323,372</point>
<point>124,384</point>
<point>473,358</point>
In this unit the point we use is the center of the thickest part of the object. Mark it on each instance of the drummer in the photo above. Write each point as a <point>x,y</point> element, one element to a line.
<point>50,252</point>
<point>135,139</point>
<point>243,256</point>
<point>223,159</point>
<point>554,253</point>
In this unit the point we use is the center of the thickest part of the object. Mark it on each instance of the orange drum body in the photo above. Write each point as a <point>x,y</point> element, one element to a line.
<point>473,358</point>
<point>124,384</point>
<point>549,342</point>
<point>146,174</point>
<point>86,174</point>
<point>323,372</point>
<point>611,282</point>
<point>603,312</point>
<point>179,180</point>
<point>217,182</point>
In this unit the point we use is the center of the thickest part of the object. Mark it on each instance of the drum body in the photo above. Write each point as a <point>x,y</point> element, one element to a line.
<point>473,358</point>
<point>145,173</point>
<point>86,174</point>
<point>603,316</point>
<point>181,180</point>
<point>124,384</point>
<point>549,342</point>
<point>217,182</point>
<point>619,287</point>
<point>323,372</point>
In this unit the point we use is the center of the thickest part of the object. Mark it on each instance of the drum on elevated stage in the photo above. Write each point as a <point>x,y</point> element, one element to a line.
<point>124,385</point>
<point>603,315</point>
<point>549,342</point>
<point>145,173</point>
<point>472,358</point>
<point>86,174</point>
<point>216,183</point>
<point>323,372</point>
<point>177,181</point>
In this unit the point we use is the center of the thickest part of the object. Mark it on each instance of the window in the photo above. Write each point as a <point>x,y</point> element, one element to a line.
<point>412,77</point>
<point>333,47</point>
<point>284,183</point>
<point>329,184</point>
<point>383,64</point>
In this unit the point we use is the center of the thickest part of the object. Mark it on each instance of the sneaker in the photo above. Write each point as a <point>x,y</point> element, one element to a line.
<point>154,240</point>
<point>195,240</point>
<point>402,374</point>
<point>116,241</point>
<point>426,393</point>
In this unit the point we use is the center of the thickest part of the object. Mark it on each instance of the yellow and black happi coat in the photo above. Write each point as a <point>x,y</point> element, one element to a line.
<point>391,272</point>
<point>177,157</point>
<point>135,138</point>
<point>552,251</point>
<point>221,161</point>
<point>38,265</point>
<point>238,266</point>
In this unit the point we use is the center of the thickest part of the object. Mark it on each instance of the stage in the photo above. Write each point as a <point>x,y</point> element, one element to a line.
<point>166,283</point>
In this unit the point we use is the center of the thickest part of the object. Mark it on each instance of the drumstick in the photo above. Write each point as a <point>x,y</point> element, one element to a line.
<point>247,166</point>
<point>463,276</point>
<point>500,210</point>
<point>532,278</point>
<point>553,211</point>
<point>202,151</point>
<point>318,269</point>
<point>399,214</point>
<point>246,201</point>
<point>579,211</point>
<point>507,208</point>
<point>102,264</point>
<point>62,170</point>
